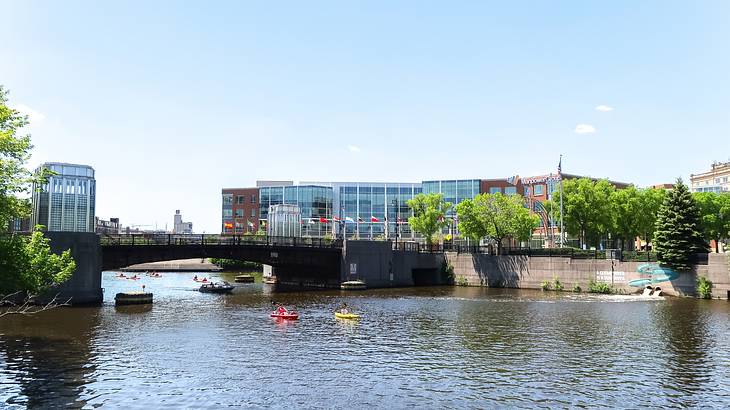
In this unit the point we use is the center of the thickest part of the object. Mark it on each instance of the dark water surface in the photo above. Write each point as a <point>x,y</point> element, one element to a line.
<point>425,347</point>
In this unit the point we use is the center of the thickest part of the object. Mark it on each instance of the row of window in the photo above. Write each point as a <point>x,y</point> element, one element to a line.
<point>239,213</point>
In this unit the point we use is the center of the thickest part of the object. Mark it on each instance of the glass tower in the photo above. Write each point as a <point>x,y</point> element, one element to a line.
<point>67,201</point>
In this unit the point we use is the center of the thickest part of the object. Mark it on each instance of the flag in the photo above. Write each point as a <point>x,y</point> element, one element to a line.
<point>359,219</point>
<point>323,220</point>
<point>374,219</point>
<point>250,224</point>
<point>336,218</point>
<point>228,225</point>
<point>560,163</point>
<point>348,219</point>
<point>311,221</point>
<point>400,221</point>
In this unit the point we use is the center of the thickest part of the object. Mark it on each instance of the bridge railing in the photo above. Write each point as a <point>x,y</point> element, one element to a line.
<point>213,239</point>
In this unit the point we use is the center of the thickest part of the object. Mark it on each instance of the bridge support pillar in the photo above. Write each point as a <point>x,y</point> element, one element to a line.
<point>84,287</point>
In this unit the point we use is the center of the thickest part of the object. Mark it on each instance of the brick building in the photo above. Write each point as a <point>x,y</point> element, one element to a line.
<point>240,210</point>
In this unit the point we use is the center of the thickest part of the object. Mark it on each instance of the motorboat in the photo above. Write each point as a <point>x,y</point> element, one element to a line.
<point>216,287</point>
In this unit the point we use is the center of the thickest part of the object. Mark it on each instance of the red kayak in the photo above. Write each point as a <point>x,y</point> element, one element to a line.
<point>286,316</point>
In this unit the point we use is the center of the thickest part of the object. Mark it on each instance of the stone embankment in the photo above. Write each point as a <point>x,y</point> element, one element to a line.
<point>529,272</point>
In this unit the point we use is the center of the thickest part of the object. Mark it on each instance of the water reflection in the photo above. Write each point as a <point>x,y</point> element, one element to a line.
<point>48,360</point>
<point>683,325</point>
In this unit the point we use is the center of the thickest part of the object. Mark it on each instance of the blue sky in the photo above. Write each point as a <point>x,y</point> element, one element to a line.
<point>170,102</point>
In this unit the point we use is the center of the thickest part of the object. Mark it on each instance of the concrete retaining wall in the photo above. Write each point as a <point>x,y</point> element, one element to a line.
<point>529,272</point>
<point>379,266</point>
<point>84,287</point>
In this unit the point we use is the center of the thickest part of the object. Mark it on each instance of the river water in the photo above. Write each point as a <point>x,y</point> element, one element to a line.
<point>427,347</point>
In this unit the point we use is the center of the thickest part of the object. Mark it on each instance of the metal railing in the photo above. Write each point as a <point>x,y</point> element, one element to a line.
<point>213,239</point>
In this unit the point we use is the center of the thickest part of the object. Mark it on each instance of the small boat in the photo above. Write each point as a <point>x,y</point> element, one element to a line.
<point>244,279</point>
<point>133,298</point>
<point>290,315</point>
<point>347,315</point>
<point>224,287</point>
<point>353,285</point>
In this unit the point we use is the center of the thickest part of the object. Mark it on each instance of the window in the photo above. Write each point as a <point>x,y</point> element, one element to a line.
<point>227,213</point>
<point>253,211</point>
<point>539,189</point>
<point>239,213</point>
<point>510,190</point>
<point>495,189</point>
<point>240,199</point>
<point>227,199</point>
<point>253,199</point>
<point>527,191</point>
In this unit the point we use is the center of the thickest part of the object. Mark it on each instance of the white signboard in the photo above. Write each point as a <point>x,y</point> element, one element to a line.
<point>353,269</point>
<point>608,276</point>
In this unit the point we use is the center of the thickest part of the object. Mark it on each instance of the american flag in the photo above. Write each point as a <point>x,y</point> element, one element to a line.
<point>559,164</point>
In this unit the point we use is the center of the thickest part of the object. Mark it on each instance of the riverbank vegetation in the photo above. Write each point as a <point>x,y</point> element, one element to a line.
<point>678,232</point>
<point>704,288</point>
<point>236,265</point>
<point>27,265</point>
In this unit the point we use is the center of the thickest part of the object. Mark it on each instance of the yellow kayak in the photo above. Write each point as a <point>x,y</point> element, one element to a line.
<point>347,315</point>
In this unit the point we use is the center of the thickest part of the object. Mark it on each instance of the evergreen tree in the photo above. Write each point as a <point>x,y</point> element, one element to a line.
<point>678,237</point>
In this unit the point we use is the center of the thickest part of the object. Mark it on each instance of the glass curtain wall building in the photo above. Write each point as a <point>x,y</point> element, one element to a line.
<point>373,209</point>
<point>67,202</point>
<point>315,204</point>
<point>284,220</point>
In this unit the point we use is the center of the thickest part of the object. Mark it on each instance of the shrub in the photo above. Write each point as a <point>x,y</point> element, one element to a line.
<point>704,288</point>
<point>545,285</point>
<point>462,281</point>
<point>577,288</point>
<point>557,285</point>
<point>231,264</point>
<point>599,287</point>
<point>447,271</point>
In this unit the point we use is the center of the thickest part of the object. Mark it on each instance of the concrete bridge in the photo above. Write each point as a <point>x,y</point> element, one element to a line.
<point>305,262</point>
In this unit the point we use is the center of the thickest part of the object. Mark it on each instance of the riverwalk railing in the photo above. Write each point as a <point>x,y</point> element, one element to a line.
<point>216,240</point>
<point>573,253</point>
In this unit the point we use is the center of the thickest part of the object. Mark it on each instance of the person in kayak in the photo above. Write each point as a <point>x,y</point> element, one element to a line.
<point>343,308</point>
<point>281,310</point>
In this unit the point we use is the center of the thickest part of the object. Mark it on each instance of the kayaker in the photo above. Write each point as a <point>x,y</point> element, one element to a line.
<point>343,308</point>
<point>281,310</point>
<point>195,278</point>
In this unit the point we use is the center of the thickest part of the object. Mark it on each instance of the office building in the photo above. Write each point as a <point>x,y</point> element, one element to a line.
<point>717,179</point>
<point>110,227</point>
<point>240,210</point>
<point>372,209</point>
<point>315,203</point>
<point>67,201</point>
<point>180,226</point>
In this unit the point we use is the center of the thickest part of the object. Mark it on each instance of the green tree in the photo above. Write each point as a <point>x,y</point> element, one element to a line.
<point>678,237</point>
<point>496,216</point>
<point>651,201</point>
<point>626,209</point>
<point>429,214</point>
<point>26,263</point>
<point>714,215</point>
<point>586,208</point>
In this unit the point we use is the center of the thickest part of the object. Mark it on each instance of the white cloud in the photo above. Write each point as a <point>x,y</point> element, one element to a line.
<point>604,108</point>
<point>33,115</point>
<point>584,129</point>
<point>353,148</point>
